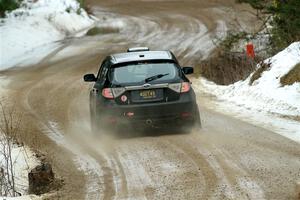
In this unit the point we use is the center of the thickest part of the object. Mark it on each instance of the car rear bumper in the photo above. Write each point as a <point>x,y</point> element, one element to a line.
<point>162,114</point>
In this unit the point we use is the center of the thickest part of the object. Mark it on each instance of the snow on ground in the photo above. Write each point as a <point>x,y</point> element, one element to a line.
<point>266,102</point>
<point>26,197</point>
<point>3,83</point>
<point>35,29</point>
<point>23,161</point>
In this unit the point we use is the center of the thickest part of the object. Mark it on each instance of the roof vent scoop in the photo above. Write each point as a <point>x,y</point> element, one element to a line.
<point>137,49</point>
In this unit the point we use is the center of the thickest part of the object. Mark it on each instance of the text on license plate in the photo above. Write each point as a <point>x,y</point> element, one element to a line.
<point>148,94</point>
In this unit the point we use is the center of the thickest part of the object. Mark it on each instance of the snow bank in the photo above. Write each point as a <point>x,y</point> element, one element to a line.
<point>266,95</point>
<point>37,25</point>
<point>23,161</point>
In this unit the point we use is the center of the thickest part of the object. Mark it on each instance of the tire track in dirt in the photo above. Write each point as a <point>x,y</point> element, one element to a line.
<point>227,177</point>
<point>156,170</point>
<point>38,98</point>
<point>202,163</point>
<point>52,131</point>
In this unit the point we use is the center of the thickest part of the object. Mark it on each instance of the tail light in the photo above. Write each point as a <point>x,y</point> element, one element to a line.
<point>186,115</point>
<point>185,87</point>
<point>107,93</point>
<point>129,114</point>
<point>111,93</point>
<point>180,87</point>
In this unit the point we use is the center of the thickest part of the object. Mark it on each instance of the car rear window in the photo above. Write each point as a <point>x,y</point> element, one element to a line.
<point>138,72</point>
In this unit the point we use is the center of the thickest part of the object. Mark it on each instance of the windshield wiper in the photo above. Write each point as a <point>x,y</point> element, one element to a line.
<point>155,77</point>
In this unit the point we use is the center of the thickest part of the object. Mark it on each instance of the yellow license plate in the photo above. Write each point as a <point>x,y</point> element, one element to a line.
<point>148,94</point>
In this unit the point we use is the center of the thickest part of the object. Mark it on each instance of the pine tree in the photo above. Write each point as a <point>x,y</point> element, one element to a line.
<point>8,5</point>
<point>286,20</point>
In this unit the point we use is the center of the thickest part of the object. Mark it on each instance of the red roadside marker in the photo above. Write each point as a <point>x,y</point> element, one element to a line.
<point>250,50</point>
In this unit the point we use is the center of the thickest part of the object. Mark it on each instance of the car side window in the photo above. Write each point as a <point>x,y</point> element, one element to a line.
<point>103,71</point>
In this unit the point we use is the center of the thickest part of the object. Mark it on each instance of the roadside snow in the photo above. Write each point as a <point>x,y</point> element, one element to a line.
<point>3,84</point>
<point>23,161</point>
<point>26,197</point>
<point>39,25</point>
<point>266,102</point>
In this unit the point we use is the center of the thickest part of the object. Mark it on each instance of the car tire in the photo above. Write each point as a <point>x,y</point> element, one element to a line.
<point>95,126</point>
<point>197,121</point>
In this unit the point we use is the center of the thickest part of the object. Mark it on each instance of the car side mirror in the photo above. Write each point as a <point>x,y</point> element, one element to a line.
<point>188,70</point>
<point>89,78</point>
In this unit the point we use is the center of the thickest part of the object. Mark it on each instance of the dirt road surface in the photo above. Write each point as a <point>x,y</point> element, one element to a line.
<point>227,159</point>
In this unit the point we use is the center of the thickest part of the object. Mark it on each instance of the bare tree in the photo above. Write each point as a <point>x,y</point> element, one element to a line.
<point>9,130</point>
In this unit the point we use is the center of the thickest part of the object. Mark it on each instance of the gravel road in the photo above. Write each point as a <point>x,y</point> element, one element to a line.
<point>226,159</point>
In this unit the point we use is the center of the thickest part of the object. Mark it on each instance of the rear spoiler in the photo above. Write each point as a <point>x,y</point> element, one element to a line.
<point>137,49</point>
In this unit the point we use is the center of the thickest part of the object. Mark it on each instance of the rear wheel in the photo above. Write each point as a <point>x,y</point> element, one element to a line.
<point>95,122</point>
<point>197,120</point>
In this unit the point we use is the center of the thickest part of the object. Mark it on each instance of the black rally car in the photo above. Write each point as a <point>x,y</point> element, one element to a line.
<point>142,88</point>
